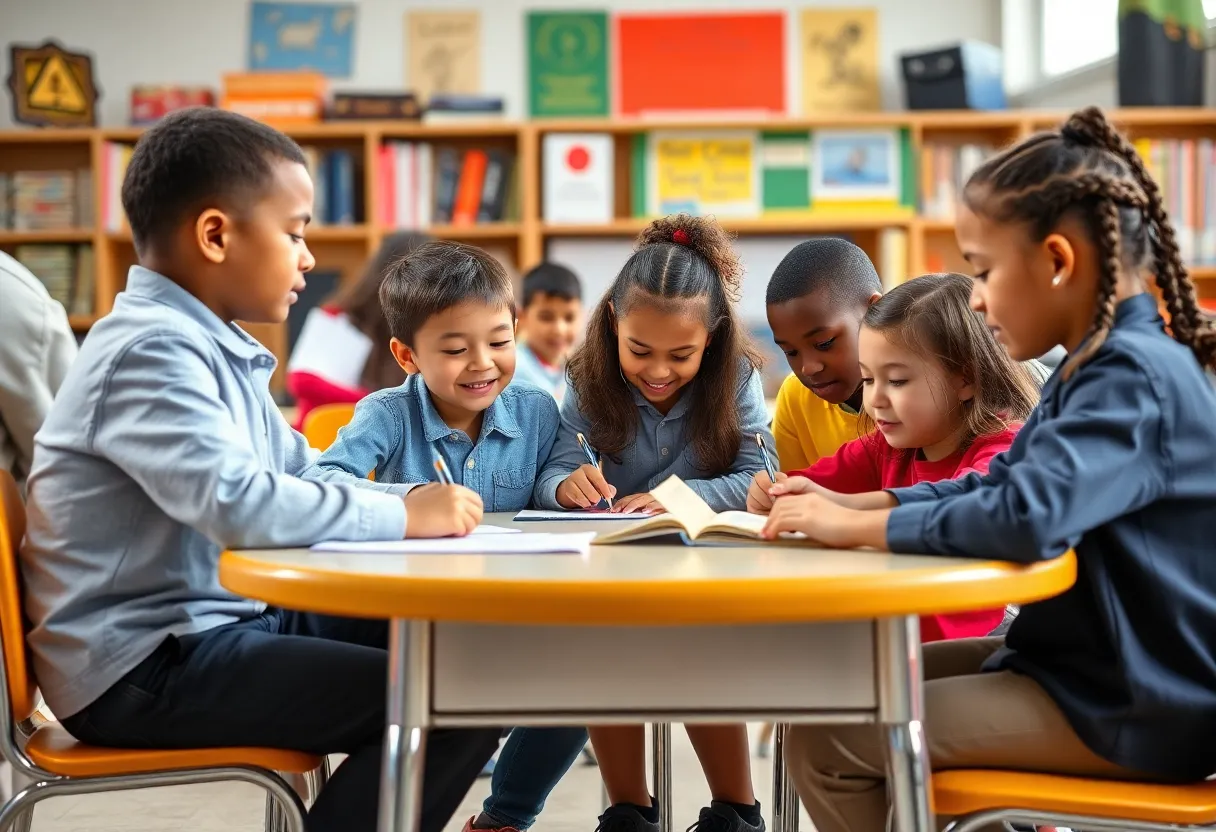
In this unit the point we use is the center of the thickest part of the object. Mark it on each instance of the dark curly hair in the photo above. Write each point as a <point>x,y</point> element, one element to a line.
<point>677,258</point>
<point>1087,169</point>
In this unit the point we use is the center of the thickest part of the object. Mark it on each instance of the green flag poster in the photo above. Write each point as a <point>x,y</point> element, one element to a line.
<point>568,64</point>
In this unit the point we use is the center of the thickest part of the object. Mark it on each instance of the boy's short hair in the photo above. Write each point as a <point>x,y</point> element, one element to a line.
<point>824,263</point>
<point>436,276</point>
<point>554,280</point>
<point>196,158</point>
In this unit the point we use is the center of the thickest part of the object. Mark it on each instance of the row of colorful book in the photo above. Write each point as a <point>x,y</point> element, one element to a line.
<point>1185,170</point>
<point>420,186</point>
<point>46,200</point>
<point>65,270</point>
<point>336,175</point>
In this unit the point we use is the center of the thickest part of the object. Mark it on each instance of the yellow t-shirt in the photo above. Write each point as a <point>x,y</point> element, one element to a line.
<point>806,427</point>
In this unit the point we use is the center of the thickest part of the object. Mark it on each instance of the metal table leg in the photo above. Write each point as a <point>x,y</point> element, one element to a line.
<point>785,799</point>
<point>661,734</point>
<point>901,713</point>
<point>409,690</point>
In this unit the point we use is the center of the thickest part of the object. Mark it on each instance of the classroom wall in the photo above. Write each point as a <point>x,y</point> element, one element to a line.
<point>188,42</point>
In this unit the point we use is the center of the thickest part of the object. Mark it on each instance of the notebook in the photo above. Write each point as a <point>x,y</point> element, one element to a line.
<point>690,517</point>
<point>586,514</point>
<point>474,544</point>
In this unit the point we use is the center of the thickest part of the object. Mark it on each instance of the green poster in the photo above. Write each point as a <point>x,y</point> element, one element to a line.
<point>568,63</point>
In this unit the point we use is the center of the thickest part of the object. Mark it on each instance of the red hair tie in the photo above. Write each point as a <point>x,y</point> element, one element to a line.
<point>680,236</point>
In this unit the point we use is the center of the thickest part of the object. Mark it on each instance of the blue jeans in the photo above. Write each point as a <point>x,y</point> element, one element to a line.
<point>531,763</point>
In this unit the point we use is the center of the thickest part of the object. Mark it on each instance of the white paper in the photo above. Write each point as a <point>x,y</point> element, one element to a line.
<point>531,514</point>
<point>483,544</point>
<point>493,530</point>
<point>331,347</point>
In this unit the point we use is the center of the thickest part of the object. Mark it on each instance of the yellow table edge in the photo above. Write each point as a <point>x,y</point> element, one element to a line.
<point>971,585</point>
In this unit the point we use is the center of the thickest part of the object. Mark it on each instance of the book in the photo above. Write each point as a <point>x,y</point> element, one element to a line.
<point>690,517</point>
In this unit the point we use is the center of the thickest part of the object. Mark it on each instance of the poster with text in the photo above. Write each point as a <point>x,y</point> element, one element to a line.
<point>839,60</point>
<point>443,52</point>
<point>316,37</point>
<point>688,63</point>
<point>568,63</point>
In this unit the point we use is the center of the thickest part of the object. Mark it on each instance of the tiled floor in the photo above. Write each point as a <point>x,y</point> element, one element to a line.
<point>236,807</point>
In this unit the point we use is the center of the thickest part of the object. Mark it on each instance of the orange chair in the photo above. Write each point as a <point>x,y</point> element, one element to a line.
<point>323,422</point>
<point>980,798</point>
<point>50,762</point>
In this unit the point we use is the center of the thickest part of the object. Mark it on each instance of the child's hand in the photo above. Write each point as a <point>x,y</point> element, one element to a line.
<point>636,504</point>
<point>827,523</point>
<point>584,488</point>
<point>758,499</point>
<point>435,510</point>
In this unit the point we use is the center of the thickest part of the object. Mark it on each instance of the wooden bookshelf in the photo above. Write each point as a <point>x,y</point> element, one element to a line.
<point>929,240</point>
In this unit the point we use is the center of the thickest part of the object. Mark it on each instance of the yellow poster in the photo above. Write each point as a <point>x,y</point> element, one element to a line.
<point>839,60</point>
<point>704,174</point>
<point>443,52</point>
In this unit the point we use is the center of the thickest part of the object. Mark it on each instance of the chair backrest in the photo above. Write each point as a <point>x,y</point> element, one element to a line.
<point>323,422</point>
<point>22,689</point>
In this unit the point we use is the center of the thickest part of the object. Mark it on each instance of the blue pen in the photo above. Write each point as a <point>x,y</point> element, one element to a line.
<point>441,468</point>
<point>592,458</point>
<point>768,461</point>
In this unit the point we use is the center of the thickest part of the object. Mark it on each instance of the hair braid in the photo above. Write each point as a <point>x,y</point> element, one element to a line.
<point>1111,246</point>
<point>1187,321</point>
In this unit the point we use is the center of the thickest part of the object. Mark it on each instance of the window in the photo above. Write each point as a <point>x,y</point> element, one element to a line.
<point>1077,33</point>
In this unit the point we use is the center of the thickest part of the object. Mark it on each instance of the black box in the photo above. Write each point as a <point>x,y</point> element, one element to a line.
<point>963,77</point>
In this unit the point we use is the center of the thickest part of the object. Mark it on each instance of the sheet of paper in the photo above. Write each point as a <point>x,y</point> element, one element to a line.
<point>493,530</point>
<point>484,544</point>
<point>331,347</point>
<point>532,514</point>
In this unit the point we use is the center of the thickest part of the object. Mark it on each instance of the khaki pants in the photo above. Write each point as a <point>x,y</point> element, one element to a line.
<point>972,720</point>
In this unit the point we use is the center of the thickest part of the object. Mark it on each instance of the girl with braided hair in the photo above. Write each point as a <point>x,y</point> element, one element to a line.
<point>1116,677</point>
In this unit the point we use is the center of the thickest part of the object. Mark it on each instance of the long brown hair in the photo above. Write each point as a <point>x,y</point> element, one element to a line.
<point>677,258</point>
<point>932,316</point>
<point>360,302</point>
<point>1086,167</point>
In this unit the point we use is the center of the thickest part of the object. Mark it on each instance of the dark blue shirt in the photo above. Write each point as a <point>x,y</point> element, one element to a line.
<point>1118,463</point>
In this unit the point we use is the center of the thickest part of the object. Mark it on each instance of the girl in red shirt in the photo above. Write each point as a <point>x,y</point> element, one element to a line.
<point>943,398</point>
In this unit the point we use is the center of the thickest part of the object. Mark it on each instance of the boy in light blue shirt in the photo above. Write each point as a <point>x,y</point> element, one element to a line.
<point>451,311</point>
<point>163,447</point>
<point>551,319</point>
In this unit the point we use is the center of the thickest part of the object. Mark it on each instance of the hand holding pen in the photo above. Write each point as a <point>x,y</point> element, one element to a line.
<point>442,509</point>
<point>586,487</point>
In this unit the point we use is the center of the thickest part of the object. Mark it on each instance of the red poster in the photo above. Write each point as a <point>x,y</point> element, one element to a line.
<point>707,62</point>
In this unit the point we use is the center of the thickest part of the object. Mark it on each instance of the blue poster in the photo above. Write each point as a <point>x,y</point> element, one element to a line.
<point>302,36</point>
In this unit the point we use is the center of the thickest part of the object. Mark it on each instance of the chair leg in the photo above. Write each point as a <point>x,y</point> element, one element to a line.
<point>661,738</point>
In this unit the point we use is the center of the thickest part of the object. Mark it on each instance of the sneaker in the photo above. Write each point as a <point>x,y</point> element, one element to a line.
<point>469,827</point>
<point>720,817</point>
<point>624,817</point>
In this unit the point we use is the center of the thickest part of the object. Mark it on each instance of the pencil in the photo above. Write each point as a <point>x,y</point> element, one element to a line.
<point>441,468</point>
<point>768,461</point>
<point>593,458</point>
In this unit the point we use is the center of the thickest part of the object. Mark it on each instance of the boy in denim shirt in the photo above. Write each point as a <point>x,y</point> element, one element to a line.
<point>451,311</point>
<point>164,447</point>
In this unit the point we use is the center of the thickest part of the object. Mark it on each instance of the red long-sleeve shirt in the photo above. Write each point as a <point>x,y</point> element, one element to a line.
<point>870,464</point>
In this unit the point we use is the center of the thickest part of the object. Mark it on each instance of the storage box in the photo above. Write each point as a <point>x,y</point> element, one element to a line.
<point>962,77</point>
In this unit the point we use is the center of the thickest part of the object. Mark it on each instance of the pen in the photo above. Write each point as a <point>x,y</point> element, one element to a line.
<point>592,458</point>
<point>768,462</point>
<point>441,468</point>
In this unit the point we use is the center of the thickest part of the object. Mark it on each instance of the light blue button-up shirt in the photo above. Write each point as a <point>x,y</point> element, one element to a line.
<point>162,448</point>
<point>397,432</point>
<point>661,448</point>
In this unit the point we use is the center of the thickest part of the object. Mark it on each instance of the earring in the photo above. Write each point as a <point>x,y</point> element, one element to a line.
<point>1055,281</point>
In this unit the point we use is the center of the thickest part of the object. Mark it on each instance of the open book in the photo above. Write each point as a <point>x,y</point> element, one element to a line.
<point>690,517</point>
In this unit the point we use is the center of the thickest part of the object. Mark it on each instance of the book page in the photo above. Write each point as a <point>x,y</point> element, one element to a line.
<point>683,504</point>
<point>478,544</point>
<point>740,521</point>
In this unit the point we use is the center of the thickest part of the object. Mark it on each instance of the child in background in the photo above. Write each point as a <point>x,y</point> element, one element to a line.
<point>451,311</point>
<point>945,398</point>
<point>666,383</point>
<point>550,322</point>
<point>356,307</point>
<point>1113,678</point>
<point>164,447</point>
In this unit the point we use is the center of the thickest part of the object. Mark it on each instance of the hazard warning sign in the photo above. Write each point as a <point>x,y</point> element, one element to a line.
<point>52,87</point>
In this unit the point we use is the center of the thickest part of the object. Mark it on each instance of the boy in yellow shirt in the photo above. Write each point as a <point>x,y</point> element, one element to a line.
<point>816,299</point>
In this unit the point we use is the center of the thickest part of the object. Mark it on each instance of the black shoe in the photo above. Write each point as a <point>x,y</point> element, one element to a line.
<point>721,817</point>
<point>625,817</point>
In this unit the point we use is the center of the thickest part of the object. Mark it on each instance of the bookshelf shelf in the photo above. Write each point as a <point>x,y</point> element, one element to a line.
<point>900,242</point>
<point>50,235</point>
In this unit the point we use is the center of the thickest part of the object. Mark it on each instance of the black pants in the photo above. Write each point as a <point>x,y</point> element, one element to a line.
<point>285,680</point>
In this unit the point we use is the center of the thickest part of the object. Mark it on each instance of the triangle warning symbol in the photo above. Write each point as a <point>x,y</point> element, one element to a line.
<point>56,88</point>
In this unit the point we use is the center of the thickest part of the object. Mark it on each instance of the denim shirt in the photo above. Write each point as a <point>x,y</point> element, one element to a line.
<point>661,448</point>
<point>162,448</point>
<point>396,432</point>
<point>1119,464</point>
